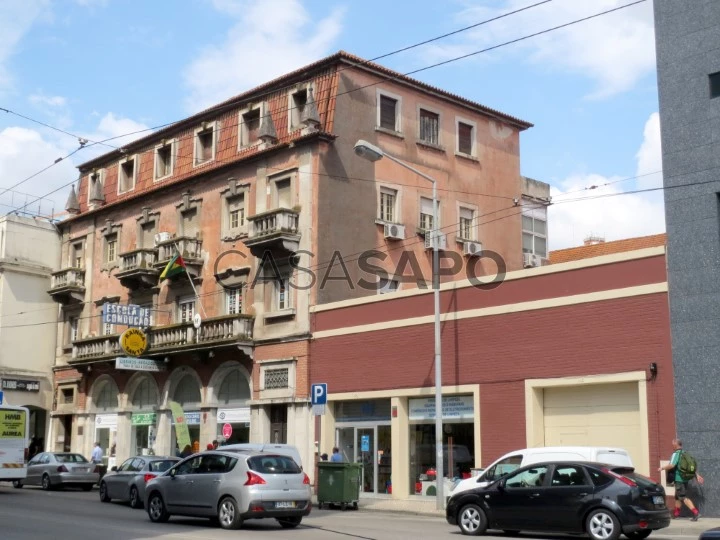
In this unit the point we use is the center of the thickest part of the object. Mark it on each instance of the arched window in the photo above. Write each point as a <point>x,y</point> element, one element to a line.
<point>234,387</point>
<point>107,398</point>
<point>187,391</point>
<point>145,396</point>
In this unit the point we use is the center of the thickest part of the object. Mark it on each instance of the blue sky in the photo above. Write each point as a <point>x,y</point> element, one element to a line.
<point>101,68</point>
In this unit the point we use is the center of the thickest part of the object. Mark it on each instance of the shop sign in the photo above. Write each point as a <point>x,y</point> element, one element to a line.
<point>134,341</point>
<point>182,434</point>
<point>139,364</point>
<point>130,315</point>
<point>21,385</point>
<point>143,419</point>
<point>453,408</point>
<point>12,424</point>
<point>106,421</point>
<point>191,418</point>
<point>234,416</point>
<point>227,431</point>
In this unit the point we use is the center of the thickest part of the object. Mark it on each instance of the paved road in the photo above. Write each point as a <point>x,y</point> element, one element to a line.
<point>30,513</point>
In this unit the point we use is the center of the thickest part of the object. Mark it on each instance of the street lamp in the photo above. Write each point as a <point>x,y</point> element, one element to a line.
<point>373,153</point>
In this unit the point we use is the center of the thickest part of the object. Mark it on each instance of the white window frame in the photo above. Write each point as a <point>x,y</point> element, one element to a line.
<point>108,329</point>
<point>531,211</point>
<point>111,238</point>
<point>196,133</point>
<point>293,114</point>
<point>289,304</point>
<point>172,144</point>
<point>435,226</point>
<point>237,296</point>
<point>74,253</point>
<point>439,144</point>
<point>182,301</point>
<point>101,178</point>
<point>121,173</point>
<point>388,285</point>
<point>398,109</point>
<point>474,227</point>
<point>473,141</point>
<point>396,210</point>
<point>73,328</point>
<point>243,142</point>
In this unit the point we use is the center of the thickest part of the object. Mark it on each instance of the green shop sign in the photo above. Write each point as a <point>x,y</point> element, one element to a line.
<point>143,419</point>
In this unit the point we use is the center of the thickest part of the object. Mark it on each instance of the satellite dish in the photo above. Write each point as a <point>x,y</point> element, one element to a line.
<point>197,321</point>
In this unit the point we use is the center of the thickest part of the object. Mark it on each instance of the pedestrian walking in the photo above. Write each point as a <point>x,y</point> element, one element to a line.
<point>97,454</point>
<point>336,457</point>
<point>685,470</point>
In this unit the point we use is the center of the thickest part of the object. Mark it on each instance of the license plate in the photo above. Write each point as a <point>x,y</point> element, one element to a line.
<point>657,499</point>
<point>285,504</point>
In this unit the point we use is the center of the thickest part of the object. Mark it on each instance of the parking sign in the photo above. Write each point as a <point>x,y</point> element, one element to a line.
<point>318,394</point>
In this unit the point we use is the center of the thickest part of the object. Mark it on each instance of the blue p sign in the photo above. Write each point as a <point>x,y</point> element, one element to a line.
<point>318,394</point>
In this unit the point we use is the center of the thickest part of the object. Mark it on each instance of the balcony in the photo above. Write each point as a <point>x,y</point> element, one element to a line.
<point>223,331</point>
<point>190,249</point>
<point>137,269</point>
<point>68,286</point>
<point>274,229</point>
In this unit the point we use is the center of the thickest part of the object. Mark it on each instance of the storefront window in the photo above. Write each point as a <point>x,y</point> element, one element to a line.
<point>458,443</point>
<point>233,420</point>
<point>143,424</point>
<point>187,394</point>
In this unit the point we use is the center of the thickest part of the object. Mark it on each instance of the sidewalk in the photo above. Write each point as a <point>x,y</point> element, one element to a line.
<point>678,527</point>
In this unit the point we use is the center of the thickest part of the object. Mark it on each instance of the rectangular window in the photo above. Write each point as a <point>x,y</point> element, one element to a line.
<point>387,285</point>
<point>186,309</point>
<point>277,378</point>
<point>250,127</point>
<point>714,85</point>
<point>148,234</point>
<point>283,294</point>
<point>388,199</point>
<point>388,113</point>
<point>534,224</point>
<point>190,227</point>
<point>299,100</point>
<point>163,161</point>
<point>77,257</point>
<point>465,134</point>
<point>108,329</point>
<point>283,193</point>
<point>233,301</point>
<point>73,329</point>
<point>429,127</point>
<point>205,145</point>
<point>425,222</point>
<point>467,224</point>
<point>111,248</point>
<point>68,396</point>
<point>126,175</point>
<point>236,212</point>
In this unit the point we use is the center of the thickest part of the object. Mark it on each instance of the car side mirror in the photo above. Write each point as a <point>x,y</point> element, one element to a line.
<point>114,469</point>
<point>501,485</point>
<point>172,473</point>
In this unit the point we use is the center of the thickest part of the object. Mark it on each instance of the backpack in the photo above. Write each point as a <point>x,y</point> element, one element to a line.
<point>687,466</point>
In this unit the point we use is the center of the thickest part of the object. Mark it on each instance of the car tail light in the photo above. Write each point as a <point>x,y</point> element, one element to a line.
<point>148,477</point>
<point>256,508</point>
<point>254,479</point>
<point>643,524</point>
<point>62,468</point>
<point>623,479</point>
<point>306,479</point>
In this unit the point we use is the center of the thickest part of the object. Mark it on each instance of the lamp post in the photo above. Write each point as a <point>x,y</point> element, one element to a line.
<point>373,153</point>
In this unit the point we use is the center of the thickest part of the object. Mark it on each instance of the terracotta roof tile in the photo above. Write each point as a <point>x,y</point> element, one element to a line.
<point>607,248</point>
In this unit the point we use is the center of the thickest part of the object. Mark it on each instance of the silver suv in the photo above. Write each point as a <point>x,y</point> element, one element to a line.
<point>230,486</point>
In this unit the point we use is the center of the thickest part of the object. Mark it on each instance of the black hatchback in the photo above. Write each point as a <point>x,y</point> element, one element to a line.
<point>603,501</point>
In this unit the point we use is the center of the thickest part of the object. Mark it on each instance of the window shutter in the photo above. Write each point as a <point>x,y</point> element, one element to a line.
<point>283,193</point>
<point>426,206</point>
<point>429,125</point>
<point>388,111</point>
<point>465,132</point>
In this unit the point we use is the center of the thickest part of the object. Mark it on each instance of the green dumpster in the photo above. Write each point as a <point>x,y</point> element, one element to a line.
<point>339,483</point>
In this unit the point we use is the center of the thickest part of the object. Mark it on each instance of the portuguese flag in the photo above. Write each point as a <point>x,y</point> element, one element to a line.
<point>174,267</point>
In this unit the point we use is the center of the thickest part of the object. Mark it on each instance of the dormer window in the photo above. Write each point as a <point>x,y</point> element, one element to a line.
<point>127,171</point>
<point>249,127</point>
<point>297,106</point>
<point>205,138</point>
<point>164,160</point>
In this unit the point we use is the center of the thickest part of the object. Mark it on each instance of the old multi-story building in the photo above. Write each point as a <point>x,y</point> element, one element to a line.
<point>29,251</point>
<point>273,213</point>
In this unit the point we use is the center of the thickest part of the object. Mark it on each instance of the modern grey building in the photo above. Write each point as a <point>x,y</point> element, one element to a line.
<point>688,61</point>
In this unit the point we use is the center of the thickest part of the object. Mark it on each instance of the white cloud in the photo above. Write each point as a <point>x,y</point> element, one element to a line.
<point>267,40</point>
<point>16,18</point>
<point>612,217</point>
<point>51,101</point>
<point>120,130</point>
<point>614,50</point>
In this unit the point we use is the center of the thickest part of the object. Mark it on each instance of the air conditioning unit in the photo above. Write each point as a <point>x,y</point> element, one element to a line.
<point>394,231</point>
<point>442,240</point>
<point>162,237</point>
<point>530,260</point>
<point>473,249</point>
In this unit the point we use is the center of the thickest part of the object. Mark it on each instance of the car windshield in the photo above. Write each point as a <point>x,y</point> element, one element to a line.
<point>273,465</point>
<point>70,458</point>
<point>161,466</point>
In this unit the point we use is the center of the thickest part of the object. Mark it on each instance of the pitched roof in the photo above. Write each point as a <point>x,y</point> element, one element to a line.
<point>607,248</point>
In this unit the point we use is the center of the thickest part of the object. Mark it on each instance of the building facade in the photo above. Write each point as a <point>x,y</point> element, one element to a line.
<point>687,36</point>
<point>272,212</point>
<point>29,251</point>
<point>573,353</point>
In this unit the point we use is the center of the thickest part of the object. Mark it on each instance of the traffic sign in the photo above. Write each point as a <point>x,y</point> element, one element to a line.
<point>227,430</point>
<point>319,394</point>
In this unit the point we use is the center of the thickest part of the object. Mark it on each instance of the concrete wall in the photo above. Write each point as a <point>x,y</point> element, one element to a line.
<point>688,37</point>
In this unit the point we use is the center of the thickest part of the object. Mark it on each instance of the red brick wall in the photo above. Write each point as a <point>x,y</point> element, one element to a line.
<point>297,349</point>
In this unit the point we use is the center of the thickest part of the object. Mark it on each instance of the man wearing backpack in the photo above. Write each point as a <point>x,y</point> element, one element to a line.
<point>685,470</point>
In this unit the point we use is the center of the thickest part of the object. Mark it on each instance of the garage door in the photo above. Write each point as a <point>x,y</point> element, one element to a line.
<point>594,415</point>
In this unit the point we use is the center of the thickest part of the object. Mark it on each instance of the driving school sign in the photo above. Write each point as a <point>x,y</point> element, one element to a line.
<point>134,341</point>
<point>130,315</point>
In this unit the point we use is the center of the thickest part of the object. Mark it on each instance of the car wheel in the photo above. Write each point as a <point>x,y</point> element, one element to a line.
<point>135,501</point>
<point>638,535</point>
<point>602,525</point>
<point>472,520</point>
<point>17,484</point>
<point>87,487</point>
<point>46,484</point>
<point>103,492</point>
<point>156,509</point>
<point>229,514</point>
<point>290,522</point>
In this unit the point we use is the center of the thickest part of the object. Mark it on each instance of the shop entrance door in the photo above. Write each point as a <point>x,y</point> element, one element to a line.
<point>368,445</point>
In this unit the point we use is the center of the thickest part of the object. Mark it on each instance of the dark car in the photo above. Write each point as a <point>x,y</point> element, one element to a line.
<point>603,501</point>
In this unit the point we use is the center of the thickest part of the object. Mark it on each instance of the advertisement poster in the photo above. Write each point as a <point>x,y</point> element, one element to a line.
<point>181,430</point>
<point>12,424</point>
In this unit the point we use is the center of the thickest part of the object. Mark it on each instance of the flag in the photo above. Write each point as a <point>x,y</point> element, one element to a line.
<point>174,267</point>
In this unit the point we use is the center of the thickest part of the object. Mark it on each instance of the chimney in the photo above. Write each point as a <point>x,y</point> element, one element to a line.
<point>593,240</point>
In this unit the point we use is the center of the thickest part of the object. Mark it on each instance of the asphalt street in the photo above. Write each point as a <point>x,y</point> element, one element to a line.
<point>30,513</point>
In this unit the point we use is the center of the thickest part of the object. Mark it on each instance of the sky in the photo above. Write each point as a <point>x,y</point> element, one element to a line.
<point>108,68</point>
